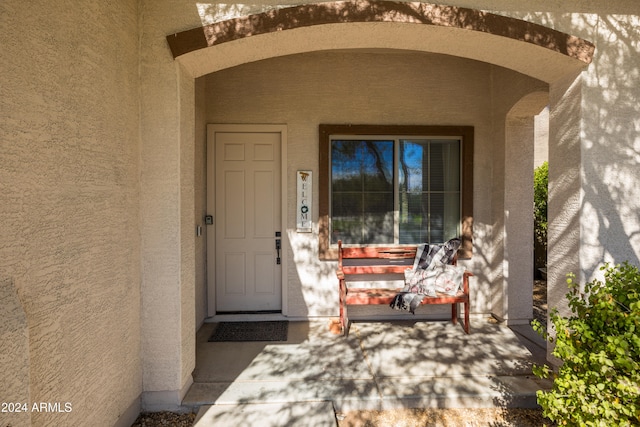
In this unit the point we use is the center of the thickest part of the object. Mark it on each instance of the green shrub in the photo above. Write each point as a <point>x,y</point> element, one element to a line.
<point>540,196</point>
<point>598,383</point>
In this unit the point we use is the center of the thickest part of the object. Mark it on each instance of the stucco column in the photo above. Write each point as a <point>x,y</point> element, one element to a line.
<point>187,105</point>
<point>168,230</point>
<point>518,220</point>
<point>516,102</point>
<point>563,234</point>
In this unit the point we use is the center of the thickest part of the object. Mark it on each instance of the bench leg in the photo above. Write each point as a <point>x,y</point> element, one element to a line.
<point>344,318</point>
<point>466,316</point>
<point>454,314</point>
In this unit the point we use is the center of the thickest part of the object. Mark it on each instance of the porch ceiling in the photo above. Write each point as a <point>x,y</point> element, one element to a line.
<point>531,49</point>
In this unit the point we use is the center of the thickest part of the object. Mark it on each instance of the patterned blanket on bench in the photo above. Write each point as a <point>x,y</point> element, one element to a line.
<point>432,272</point>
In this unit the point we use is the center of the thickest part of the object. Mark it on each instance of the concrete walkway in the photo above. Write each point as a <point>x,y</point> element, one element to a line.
<point>381,365</point>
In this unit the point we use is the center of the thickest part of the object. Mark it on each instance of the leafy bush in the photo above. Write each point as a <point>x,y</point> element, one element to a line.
<point>598,383</point>
<point>540,196</point>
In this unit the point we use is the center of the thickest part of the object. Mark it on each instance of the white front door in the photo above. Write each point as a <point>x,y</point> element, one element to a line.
<point>247,219</point>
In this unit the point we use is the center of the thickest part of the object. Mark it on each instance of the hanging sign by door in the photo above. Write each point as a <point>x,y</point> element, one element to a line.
<point>303,214</point>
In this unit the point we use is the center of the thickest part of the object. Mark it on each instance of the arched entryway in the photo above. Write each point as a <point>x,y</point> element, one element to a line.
<point>473,34</point>
<point>515,47</point>
<point>470,35</point>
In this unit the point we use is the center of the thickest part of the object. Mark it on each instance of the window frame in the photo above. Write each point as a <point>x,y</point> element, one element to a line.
<point>465,133</point>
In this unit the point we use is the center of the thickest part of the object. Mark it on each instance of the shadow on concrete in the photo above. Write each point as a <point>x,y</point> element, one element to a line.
<point>381,365</point>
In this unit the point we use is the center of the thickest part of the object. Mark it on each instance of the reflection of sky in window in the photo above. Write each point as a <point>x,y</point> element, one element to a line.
<point>368,164</point>
<point>416,159</point>
<point>412,153</point>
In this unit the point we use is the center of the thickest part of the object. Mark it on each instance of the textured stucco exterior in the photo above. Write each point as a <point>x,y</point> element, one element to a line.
<point>69,191</point>
<point>167,215</point>
<point>102,172</point>
<point>14,354</point>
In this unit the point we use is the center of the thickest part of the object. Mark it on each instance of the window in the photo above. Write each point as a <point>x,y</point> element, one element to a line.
<point>394,185</point>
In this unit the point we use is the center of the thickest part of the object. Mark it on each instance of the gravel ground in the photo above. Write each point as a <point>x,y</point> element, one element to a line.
<point>165,419</point>
<point>476,417</point>
<point>470,417</point>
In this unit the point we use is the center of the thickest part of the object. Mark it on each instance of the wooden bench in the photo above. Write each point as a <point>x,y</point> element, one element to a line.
<point>387,261</point>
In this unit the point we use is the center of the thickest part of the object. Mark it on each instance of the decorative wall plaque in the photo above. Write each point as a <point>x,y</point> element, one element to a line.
<point>303,206</point>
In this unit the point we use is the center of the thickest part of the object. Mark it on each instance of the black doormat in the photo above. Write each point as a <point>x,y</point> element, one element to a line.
<point>250,331</point>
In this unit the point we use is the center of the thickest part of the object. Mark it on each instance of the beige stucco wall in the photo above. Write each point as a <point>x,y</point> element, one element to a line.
<point>610,129</point>
<point>541,150</point>
<point>70,236</point>
<point>14,356</point>
<point>101,178</point>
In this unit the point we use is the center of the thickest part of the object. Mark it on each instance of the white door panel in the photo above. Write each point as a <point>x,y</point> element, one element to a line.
<point>247,217</point>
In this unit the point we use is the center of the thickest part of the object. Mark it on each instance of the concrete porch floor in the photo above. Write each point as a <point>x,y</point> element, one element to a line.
<point>381,365</point>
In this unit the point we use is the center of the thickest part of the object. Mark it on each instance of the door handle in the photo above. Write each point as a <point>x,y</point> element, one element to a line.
<point>278,251</point>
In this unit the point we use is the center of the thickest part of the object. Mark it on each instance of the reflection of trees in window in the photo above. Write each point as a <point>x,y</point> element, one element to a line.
<point>363,183</point>
<point>362,191</point>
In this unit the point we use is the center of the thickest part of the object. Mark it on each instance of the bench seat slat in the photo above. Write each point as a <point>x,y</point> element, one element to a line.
<point>366,296</point>
<point>374,269</point>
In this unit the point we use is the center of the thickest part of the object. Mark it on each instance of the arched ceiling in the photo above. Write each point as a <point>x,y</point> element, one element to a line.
<point>528,48</point>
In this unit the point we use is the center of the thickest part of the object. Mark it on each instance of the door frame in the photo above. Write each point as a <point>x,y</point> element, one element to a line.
<point>212,129</point>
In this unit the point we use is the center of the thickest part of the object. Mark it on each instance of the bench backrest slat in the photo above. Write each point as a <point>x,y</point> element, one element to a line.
<point>379,252</point>
<point>389,254</point>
